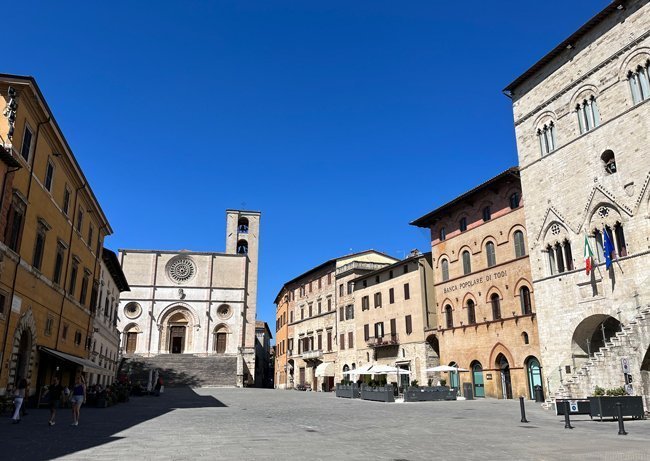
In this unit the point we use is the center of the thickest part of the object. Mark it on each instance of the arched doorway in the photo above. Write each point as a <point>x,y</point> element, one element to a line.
<point>504,367</point>
<point>177,330</point>
<point>477,379</point>
<point>534,372</point>
<point>592,333</point>
<point>454,378</point>
<point>220,340</point>
<point>432,351</point>
<point>131,339</point>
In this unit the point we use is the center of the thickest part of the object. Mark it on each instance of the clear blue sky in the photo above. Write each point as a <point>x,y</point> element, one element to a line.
<point>340,121</point>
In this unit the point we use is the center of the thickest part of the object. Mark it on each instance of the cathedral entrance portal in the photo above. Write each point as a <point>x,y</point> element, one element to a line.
<point>177,335</point>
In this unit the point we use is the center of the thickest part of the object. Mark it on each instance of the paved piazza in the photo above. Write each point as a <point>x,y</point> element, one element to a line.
<point>252,424</point>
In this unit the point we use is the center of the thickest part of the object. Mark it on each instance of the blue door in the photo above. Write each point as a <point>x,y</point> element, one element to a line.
<point>477,375</point>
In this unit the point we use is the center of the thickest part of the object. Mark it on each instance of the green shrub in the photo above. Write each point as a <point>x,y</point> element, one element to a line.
<point>414,383</point>
<point>430,382</point>
<point>616,392</point>
<point>599,391</point>
<point>443,382</point>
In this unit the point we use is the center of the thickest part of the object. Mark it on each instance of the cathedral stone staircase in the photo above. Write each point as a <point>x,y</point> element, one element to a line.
<point>604,367</point>
<point>184,369</point>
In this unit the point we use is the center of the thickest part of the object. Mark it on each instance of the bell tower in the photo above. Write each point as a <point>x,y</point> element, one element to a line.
<point>242,237</point>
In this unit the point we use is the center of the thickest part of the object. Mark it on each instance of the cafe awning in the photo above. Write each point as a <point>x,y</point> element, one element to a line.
<point>325,369</point>
<point>85,363</point>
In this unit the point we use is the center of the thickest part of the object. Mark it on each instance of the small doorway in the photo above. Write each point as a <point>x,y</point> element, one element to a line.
<point>534,376</point>
<point>301,378</point>
<point>506,385</point>
<point>454,379</point>
<point>131,342</point>
<point>177,342</point>
<point>477,377</point>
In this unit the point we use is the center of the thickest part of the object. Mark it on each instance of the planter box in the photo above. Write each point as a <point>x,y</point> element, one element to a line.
<point>605,407</point>
<point>347,391</point>
<point>429,394</point>
<point>378,394</point>
<point>583,407</point>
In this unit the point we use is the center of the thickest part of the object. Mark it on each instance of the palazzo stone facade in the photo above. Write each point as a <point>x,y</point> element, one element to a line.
<point>195,303</point>
<point>582,121</point>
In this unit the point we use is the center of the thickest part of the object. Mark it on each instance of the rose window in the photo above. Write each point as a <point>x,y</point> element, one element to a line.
<point>181,270</point>
<point>555,229</point>
<point>603,212</point>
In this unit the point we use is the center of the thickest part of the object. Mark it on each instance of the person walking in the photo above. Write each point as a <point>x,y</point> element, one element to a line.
<point>54,393</point>
<point>78,397</point>
<point>19,397</point>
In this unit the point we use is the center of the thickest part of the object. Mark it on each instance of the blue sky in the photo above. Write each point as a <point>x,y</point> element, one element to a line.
<point>340,121</point>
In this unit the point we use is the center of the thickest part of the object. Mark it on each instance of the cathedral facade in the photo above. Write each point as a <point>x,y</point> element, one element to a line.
<point>191,305</point>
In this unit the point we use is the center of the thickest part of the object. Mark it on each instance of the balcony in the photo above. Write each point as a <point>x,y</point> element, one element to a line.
<point>312,355</point>
<point>383,341</point>
<point>357,265</point>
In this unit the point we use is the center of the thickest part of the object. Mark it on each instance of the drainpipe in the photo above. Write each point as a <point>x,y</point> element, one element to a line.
<point>20,244</point>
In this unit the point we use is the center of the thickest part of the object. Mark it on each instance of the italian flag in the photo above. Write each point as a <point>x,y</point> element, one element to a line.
<point>589,256</point>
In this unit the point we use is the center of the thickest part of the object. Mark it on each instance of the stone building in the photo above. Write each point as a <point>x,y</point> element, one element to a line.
<point>52,230</point>
<point>283,331</point>
<point>483,289</point>
<point>312,299</point>
<point>263,370</point>
<point>385,322</point>
<point>106,338</point>
<point>582,122</point>
<point>195,311</point>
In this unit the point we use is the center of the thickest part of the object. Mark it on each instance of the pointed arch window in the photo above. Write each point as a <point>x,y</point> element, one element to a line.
<point>467,264</point>
<point>444,265</point>
<point>471,312</point>
<point>524,299</point>
<point>462,224</point>
<point>443,234</point>
<point>515,199</point>
<point>242,225</point>
<point>496,306</point>
<point>449,315</point>
<point>242,247</point>
<point>491,255</point>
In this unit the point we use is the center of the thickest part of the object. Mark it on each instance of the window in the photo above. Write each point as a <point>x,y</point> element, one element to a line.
<point>48,326</point>
<point>366,332</point>
<point>491,256</point>
<point>443,234</point>
<point>449,315</point>
<point>242,225</point>
<point>406,268</point>
<point>341,290</point>
<point>377,300</point>
<point>341,314</point>
<point>588,115</point>
<point>320,307</point>
<point>409,325</point>
<point>66,200</point>
<point>349,312</point>
<point>320,283</point>
<point>80,219</point>
<point>546,137</point>
<point>393,327</point>
<point>365,303</point>
<point>639,85</point>
<point>291,317</point>
<point>26,147</point>
<point>342,341</point>
<point>463,224</point>
<point>329,304</point>
<point>496,306</point>
<point>467,264</point>
<point>84,287</point>
<point>39,247</point>
<point>515,199</point>
<point>309,308</point>
<point>524,337</point>
<point>524,299</point>
<point>91,231</point>
<point>609,161</point>
<point>329,340</point>
<point>64,333</point>
<point>407,292</point>
<point>302,313</point>
<point>445,270</point>
<point>3,302</point>
<point>487,213</point>
<point>350,287</point>
<point>310,288</point>
<point>242,248</point>
<point>77,338</point>
<point>329,278</point>
<point>568,256</point>
<point>619,239</point>
<point>350,340</point>
<point>73,277</point>
<point>49,175</point>
<point>391,295</point>
<point>471,312</point>
<point>320,342</point>
<point>379,330</point>
<point>520,248</point>
<point>16,215</point>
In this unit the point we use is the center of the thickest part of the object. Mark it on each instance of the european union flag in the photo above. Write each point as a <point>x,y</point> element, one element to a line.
<point>608,248</point>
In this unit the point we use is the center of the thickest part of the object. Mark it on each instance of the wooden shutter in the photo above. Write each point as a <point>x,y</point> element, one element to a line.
<point>366,332</point>
<point>409,326</point>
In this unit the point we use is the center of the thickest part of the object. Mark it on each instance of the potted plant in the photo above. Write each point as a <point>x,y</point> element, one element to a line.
<point>443,382</point>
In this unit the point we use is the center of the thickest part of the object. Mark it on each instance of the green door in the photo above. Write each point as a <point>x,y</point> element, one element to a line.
<point>534,376</point>
<point>477,372</point>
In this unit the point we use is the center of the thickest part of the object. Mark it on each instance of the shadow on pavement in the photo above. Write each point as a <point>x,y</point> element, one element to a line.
<point>34,439</point>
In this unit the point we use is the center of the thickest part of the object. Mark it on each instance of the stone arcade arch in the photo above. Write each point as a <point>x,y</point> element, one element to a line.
<point>23,351</point>
<point>591,334</point>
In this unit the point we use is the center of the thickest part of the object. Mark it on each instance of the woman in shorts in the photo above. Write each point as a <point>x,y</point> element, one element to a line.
<point>78,397</point>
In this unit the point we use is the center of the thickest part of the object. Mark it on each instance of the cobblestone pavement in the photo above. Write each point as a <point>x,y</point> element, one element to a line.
<point>254,424</point>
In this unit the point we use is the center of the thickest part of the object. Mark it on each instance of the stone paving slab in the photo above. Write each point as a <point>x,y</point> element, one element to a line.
<point>265,424</point>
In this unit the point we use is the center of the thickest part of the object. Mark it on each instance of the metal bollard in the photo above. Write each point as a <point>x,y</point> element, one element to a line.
<point>523,410</point>
<point>621,426</point>
<point>567,420</point>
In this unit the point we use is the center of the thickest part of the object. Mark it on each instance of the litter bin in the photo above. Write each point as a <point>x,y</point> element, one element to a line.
<point>467,391</point>
<point>539,394</point>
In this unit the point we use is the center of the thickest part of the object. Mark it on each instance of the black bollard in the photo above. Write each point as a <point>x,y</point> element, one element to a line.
<point>523,410</point>
<point>619,411</point>
<point>567,419</point>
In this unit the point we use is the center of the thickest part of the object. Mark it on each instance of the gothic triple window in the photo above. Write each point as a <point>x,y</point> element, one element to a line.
<point>560,257</point>
<point>546,137</point>
<point>616,236</point>
<point>639,83</point>
<point>588,114</point>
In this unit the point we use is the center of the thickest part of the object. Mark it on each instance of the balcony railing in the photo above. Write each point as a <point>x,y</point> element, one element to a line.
<point>361,266</point>
<point>312,355</point>
<point>383,341</point>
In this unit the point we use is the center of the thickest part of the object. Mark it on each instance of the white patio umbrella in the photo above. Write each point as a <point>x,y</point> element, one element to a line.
<point>443,368</point>
<point>386,369</point>
<point>363,370</point>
